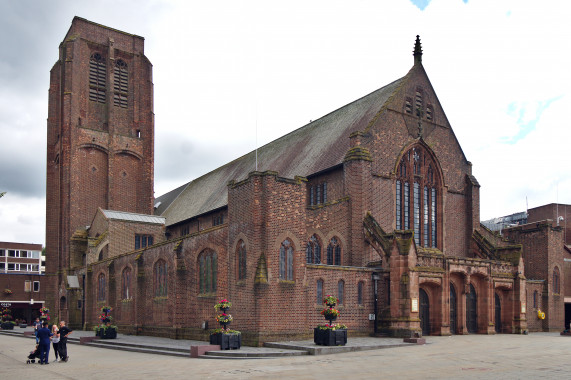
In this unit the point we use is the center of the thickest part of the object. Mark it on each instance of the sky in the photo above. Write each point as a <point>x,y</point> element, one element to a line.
<point>232,75</point>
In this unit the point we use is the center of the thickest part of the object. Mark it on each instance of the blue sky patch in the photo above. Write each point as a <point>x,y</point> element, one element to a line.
<point>422,4</point>
<point>526,118</point>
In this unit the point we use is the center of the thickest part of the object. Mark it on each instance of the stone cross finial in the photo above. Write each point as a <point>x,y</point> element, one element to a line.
<point>417,51</point>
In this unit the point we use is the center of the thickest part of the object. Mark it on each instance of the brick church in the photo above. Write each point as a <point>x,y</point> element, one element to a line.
<point>374,202</point>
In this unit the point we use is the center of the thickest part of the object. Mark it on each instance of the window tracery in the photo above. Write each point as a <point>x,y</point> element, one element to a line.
<point>417,170</point>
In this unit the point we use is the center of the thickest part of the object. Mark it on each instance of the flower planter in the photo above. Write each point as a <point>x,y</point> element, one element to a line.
<point>7,326</point>
<point>329,337</point>
<point>226,341</point>
<point>23,325</point>
<point>109,333</point>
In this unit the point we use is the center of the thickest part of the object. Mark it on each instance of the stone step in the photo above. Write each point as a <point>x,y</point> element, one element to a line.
<point>142,349</point>
<point>250,354</point>
<point>112,343</point>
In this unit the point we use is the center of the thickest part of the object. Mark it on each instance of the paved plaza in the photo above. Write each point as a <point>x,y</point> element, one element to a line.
<point>534,356</point>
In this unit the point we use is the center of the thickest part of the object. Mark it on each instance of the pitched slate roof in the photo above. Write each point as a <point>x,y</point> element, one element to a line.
<point>315,147</point>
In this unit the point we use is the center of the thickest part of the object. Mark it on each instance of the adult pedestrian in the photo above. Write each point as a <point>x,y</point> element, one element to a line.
<point>55,340</point>
<point>64,332</point>
<point>44,335</point>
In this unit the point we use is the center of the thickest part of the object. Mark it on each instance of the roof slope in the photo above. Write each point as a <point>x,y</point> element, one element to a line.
<point>317,146</point>
<point>132,217</point>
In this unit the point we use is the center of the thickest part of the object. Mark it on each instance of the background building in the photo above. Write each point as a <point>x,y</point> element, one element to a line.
<point>22,283</point>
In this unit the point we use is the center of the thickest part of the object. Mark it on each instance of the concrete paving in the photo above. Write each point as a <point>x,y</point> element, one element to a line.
<point>533,356</point>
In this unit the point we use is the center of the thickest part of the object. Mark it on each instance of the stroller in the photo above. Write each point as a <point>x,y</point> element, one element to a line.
<point>35,354</point>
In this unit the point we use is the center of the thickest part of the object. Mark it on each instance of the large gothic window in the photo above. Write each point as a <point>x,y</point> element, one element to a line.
<point>417,191</point>
<point>208,270</point>
<point>313,251</point>
<point>97,78</point>
<point>286,260</point>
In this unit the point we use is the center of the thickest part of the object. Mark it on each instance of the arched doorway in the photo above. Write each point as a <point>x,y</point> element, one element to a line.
<point>498,319</point>
<point>453,309</point>
<point>424,312</point>
<point>472,311</point>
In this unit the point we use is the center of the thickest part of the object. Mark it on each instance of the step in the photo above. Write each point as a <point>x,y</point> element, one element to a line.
<point>142,349</point>
<point>227,354</point>
<point>111,343</point>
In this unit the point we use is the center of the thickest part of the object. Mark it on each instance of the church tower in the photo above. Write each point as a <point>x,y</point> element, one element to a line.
<point>100,141</point>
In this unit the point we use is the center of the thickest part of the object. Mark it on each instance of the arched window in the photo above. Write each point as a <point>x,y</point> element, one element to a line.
<point>319,291</point>
<point>556,286</point>
<point>207,269</point>
<point>334,252</point>
<point>101,287</point>
<point>286,260</point>
<point>417,170</point>
<point>160,279</point>
<point>241,255</point>
<point>97,78</point>
<point>360,293</point>
<point>313,251</point>
<point>341,291</point>
<point>120,84</point>
<point>126,284</point>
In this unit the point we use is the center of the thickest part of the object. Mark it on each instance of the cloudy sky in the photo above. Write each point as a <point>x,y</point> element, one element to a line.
<point>230,75</point>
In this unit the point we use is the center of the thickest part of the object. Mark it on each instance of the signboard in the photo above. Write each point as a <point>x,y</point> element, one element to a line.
<point>523,307</point>
<point>371,317</point>
<point>6,304</point>
<point>414,305</point>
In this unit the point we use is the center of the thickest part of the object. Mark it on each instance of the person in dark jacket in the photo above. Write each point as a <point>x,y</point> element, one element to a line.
<point>44,336</point>
<point>64,332</point>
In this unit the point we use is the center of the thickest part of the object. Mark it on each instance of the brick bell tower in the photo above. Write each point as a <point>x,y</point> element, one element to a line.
<point>100,147</point>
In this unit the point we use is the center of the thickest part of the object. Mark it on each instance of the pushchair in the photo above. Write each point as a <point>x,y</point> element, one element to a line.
<point>34,355</point>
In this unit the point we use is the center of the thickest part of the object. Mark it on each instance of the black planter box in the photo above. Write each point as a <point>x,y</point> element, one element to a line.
<point>226,341</point>
<point>328,337</point>
<point>106,333</point>
<point>7,326</point>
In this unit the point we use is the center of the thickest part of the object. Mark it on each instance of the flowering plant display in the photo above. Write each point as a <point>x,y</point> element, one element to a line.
<point>6,315</point>
<point>330,313</point>
<point>223,304</point>
<point>106,309</point>
<point>224,318</point>
<point>330,300</point>
<point>7,291</point>
<point>45,313</point>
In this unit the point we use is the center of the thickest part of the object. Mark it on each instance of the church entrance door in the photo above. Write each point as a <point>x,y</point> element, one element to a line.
<point>424,312</point>
<point>498,319</point>
<point>472,311</point>
<point>453,309</point>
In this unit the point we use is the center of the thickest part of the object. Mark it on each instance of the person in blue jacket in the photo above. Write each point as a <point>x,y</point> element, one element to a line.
<point>44,337</point>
